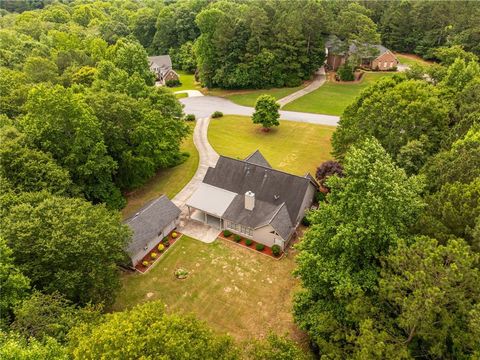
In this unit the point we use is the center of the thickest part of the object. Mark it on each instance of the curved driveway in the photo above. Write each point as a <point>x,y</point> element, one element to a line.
<point>204,106</point>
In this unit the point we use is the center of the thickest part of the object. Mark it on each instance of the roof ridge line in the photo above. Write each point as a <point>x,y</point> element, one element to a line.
<point>265,167</point>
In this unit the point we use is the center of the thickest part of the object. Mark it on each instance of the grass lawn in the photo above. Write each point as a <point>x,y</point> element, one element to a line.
<point>188,82</point>
<point>233,289</point>
<point>293,146</point>
<point>167,181</point>
<point>332,98</point>
<point>410,59</point>
<point>249,97</point>
<point>181,95</point>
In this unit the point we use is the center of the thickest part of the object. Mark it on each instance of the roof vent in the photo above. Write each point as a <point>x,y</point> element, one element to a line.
<point>276,197</point>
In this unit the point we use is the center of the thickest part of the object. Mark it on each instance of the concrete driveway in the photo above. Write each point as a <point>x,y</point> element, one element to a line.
<point>318,80</point>
<point>204,106</point>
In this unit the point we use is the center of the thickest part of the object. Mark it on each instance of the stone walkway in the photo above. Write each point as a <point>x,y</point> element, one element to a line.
<point>318,80</point>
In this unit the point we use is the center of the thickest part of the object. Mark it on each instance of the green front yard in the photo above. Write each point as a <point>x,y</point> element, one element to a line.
<point>166,181</point>
<point>293,146</point>
<point>410,59</point>
<point>233,289</point>
<point>249,97</point>
<point>332,98</point>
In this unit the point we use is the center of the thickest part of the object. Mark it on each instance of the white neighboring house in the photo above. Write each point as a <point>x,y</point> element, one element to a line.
<point>250,198</point>
<point>161,66</point>
<point>150,225</point>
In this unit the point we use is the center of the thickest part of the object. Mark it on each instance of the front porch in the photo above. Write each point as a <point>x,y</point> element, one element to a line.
<point>205,218</point>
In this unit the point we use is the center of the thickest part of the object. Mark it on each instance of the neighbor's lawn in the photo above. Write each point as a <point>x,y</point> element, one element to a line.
<point>167,181</point>
<point>410,59</point>
<point>233,289</point>
<point>249,97</point>
<point>188,82</point>
<point>293,146</point>
<point>332,98</point>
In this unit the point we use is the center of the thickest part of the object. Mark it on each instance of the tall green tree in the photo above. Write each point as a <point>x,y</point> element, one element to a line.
<point>366,212</point>
<point>266,112</point>
<point>147,331</point>
<point>59,122</point>
<point>26,169</point>
<point>14,347</point>
<point>65,245</point>
<point>13,283</point>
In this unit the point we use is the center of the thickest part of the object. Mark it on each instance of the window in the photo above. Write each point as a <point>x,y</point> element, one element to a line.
<point>240,228</point>
<point>384,64</point>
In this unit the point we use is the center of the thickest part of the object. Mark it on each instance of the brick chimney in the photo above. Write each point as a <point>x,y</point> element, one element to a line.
<point>249,200</point>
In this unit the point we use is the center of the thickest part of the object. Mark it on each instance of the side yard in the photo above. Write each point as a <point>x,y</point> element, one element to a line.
<point>166,181</point>
<point>410,59</point>
<point>332,98</point>
<point>293,147</point>
<point>233,289</point>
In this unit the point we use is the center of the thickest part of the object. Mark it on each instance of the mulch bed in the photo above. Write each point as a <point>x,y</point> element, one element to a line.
<point>171,240</point>
<point>266,251</point>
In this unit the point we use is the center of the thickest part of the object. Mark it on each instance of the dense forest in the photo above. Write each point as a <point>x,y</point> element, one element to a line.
<point>389,266</point>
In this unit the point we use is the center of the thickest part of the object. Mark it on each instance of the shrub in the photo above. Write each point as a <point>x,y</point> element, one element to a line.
<point>165,239</point>
<point>217,114</point>
<point>345,73</point>
<point>174,235</point>
<point>161,247</point>
<point>153,255</point>
<point>320,197</point>
<point>227,233</point>
<point>276,250</point>
<point>237,238</point>
<point>305,221</point>
<point>260,247</point>
<point>248,242</point>
<point>145,263</point>
<point>189,117</point>
<point>173,83</point>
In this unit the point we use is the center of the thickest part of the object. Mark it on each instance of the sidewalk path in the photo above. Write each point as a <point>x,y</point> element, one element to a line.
<point>318,80</point>
<point>208,157</point>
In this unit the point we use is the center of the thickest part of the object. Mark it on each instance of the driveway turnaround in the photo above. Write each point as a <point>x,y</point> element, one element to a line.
<point>204,106</point>
<point>208,157</point>
<point>318,80</point>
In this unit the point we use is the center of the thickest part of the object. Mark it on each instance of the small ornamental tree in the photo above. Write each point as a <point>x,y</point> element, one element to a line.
<point>327,169</point>
<point>266,112</point>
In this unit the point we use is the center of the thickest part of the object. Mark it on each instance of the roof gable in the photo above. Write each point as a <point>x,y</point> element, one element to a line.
<point>162,61</point>
<point>258,159</point>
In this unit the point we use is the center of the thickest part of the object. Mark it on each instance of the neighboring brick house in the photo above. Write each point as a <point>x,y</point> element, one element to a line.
<point>161,66</point>
<point>384,60</point>
<point>250,198</point>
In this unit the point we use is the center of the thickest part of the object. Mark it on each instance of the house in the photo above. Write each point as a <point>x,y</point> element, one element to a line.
<point>150,225</point>
<point>161,66</point>
<point>250,198</point>
<point>383,59</point>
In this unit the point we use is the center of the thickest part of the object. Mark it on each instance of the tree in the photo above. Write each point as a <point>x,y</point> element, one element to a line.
<point>147,332</point>
<point>65,245</point>
<point>266,112</point>
<point>39,69</point>
<point>327,169</point>
<point>395,112</point>
<point>367,210</point>
<point>413,155</point>
<point>448,55</point>
<point>13,347</point>
<point>452,212</point>
<point>43,316</point>
<point>432,292</point>
<point>28,169</point>
<point>272,348</point>
<point>460,163</point>
<point>13,283</point>
<point>60,123</point>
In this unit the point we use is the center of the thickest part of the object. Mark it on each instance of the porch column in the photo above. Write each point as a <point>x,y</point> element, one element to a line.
<point>189,215</point>
<point>205,217</point>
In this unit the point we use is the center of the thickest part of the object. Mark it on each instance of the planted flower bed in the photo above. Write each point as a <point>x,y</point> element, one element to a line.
<point>157,252</point>
<point>274,251</point>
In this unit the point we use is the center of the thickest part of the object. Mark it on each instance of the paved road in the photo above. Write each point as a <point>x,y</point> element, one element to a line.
<point>318,80</point>
<point>204,106</point>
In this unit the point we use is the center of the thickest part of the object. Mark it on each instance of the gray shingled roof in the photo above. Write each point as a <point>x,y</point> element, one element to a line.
<point>272,188</point>
<point>257,158</point>
<point>163,61</point>
<point>281,224</point>
<point>149,222</point>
